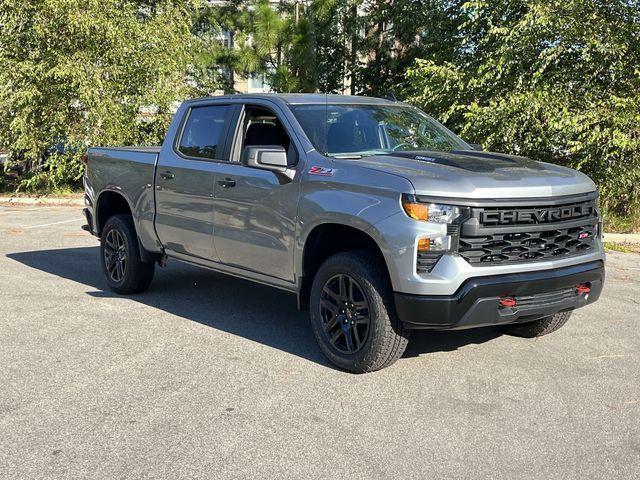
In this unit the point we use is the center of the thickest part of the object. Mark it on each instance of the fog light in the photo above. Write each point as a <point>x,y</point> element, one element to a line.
<point>438,244</point>
<point>441,243</point>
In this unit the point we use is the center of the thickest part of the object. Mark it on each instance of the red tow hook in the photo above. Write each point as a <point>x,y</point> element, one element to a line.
<point>508,302</point>
<point>583,289</point>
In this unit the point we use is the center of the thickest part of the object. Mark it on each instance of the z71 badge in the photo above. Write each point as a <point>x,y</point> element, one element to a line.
<point>324,172</point>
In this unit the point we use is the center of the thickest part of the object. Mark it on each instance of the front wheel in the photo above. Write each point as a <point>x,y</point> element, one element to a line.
<point>353,314</point>
<point>123,269</point>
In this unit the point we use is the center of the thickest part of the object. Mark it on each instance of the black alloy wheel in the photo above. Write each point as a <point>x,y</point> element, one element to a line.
<point>344,310</point>
<point>120,254</point>
<point>353,314</point>
<point>115,255</point>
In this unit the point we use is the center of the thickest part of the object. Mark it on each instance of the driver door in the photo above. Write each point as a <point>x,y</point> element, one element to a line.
<point>255,210</point>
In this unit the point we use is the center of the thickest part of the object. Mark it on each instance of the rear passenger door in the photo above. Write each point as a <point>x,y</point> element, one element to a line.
<point>185,179</point>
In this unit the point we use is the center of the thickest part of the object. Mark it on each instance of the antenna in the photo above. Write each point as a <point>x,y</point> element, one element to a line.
<point>391,96</point>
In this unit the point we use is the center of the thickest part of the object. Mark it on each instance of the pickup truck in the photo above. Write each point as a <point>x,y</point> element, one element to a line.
<point>376,216</point>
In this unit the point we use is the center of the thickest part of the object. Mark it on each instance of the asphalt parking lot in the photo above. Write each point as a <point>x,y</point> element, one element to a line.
<point>207,376</point>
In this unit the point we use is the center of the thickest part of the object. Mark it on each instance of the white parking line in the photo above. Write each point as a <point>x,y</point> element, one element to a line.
<point>54,223</point>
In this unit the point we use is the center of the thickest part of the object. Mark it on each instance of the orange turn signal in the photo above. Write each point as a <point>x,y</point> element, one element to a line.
<point>424,244</point>
<point>417,211</point>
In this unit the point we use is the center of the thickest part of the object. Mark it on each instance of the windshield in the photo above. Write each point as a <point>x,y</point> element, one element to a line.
<point>354,131</point>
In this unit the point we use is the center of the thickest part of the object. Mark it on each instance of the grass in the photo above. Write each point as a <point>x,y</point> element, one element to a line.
<point>622,224</point>
<point>64,191</point>
<point>622,247</point>
<point>616,247</point>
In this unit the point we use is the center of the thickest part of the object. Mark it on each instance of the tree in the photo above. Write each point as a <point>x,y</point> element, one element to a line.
<point>396,32</point>
<point>298,46</point>
<point>81,72</point>
<point>558,81</point>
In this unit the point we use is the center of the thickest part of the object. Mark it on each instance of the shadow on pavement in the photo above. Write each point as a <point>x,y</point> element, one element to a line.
<point>427,341</point>
<point>240,307</point>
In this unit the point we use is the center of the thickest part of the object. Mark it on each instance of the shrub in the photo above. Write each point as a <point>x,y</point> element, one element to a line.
<point>558,81</point>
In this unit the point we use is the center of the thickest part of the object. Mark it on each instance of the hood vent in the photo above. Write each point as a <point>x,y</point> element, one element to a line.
<point>473,161</point>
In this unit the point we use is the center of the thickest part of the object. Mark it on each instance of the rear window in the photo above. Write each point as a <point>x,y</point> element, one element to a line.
<point>201,135</point>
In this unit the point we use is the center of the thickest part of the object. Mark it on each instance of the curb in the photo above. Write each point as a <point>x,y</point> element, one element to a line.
<point>75,201</point>
<point>622,237</point>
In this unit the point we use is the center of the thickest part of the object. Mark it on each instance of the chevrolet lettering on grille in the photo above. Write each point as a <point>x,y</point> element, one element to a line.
<point>535,215</point>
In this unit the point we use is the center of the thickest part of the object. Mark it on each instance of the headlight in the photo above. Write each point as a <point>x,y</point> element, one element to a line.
<point>430,212</point>
<point>449,216</point>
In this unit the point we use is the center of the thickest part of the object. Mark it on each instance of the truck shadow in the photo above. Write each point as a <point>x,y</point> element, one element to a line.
<point>240,307</point>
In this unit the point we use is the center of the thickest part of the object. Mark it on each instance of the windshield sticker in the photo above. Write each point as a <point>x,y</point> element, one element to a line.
<point>324,172</point>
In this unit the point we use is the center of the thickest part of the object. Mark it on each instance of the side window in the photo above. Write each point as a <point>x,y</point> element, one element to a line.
<point>262,127</point>
<point>203,131</point>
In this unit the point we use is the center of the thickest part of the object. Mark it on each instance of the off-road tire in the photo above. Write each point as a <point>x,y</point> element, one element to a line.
<point>387,338</point>
<point>137,274</point>
<point>537,328</point>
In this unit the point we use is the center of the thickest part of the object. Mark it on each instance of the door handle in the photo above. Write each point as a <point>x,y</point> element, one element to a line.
<point>227,182</point>
<point>167,175</point>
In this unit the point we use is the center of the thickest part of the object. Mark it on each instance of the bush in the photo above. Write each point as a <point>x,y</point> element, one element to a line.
<point>558,81</point>
<point>83,72</point>
<point>60,171</point>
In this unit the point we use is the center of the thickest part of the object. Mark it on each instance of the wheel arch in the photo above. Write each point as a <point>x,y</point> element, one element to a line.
<point>108,204</point>
<point>325,240</point>
<point>112,202</point>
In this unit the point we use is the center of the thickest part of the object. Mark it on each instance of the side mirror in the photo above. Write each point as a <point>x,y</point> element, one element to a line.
<point>476,146</point>
<point>265,157</point>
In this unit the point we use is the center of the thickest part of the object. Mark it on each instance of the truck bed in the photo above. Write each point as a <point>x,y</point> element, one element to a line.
<point>130,169</point>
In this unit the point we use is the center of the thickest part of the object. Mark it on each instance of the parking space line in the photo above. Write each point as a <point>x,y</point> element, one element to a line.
<point>53,223</point>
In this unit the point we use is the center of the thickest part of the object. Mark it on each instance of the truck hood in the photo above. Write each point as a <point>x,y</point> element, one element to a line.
<point>480,175</point>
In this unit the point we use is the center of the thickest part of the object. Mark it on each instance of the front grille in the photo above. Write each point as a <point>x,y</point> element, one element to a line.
<point>497,235</point>
<point>535,215</point>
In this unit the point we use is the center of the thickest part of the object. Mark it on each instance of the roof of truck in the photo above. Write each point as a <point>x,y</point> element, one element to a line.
<point>306,98</point>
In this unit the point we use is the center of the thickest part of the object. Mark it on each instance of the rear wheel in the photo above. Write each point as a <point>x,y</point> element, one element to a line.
<point>353,314</point>
<point>537,328</point>
<point>123,269</point>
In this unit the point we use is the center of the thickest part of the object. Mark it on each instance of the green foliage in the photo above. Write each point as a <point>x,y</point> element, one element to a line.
<point>558,81</point>
<point>75,73</point>
<point>617,247</point>
<point>299,49</point>
<point>397,33</point>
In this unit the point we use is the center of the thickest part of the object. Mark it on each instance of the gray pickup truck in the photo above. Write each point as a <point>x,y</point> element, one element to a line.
<point>377,217</point>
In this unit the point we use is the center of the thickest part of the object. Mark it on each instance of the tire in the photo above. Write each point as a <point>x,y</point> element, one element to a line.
<point>537,328</point>
<point>120,257</point>
<point>377,341</point>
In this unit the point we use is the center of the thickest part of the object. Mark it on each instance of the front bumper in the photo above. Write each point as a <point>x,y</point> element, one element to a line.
<point>476,302</point>
<point>398,236</point>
